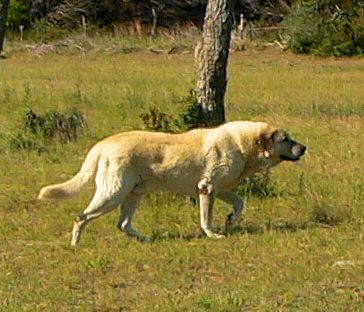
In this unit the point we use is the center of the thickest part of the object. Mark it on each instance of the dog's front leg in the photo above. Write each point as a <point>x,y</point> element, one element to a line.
<point>206,198</point>
<point>237,203</point>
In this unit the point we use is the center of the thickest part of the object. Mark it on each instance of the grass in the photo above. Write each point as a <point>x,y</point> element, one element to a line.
<point>285,253</point>
<point>119,42</point>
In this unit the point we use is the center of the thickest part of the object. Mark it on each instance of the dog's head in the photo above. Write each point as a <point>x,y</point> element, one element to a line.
<point>279,146</point>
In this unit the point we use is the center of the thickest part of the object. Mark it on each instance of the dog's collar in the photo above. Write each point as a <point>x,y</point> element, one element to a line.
<point>263,149</point>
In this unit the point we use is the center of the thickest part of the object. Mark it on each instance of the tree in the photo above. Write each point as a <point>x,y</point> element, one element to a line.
<point>211,57</point>
<point>326,27</point>
<point>3,14</point>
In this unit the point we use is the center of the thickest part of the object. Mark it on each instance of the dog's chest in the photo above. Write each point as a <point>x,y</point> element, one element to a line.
<point>255,165</point>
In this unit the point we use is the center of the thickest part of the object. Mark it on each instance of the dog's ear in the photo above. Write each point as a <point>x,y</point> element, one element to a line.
<point>265,144</point>
<point>278,136</point>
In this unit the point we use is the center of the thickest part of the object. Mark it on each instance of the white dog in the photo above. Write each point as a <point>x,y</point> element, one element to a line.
<point>207,163</point>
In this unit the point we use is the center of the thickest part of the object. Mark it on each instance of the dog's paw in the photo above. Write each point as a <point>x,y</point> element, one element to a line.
<point>231,219</point>
<point>143,239</point>
<point>217,236</point>
<point>214,235</point>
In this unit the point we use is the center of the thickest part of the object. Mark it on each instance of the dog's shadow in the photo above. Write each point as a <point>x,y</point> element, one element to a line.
<point>247,227</point>
<point>277,225</point>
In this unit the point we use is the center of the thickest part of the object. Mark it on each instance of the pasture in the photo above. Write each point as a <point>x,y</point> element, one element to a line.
<point>300,250</point>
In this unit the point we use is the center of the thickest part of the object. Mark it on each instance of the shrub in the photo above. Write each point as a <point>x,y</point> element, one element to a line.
<point>44,31</point>
<point>191,115</point>
<point>18,14</point>
<point>66,127</point>
<point>260,185</point>
<point>326,27</point>
<point>38,129</point>
<point>156,120</point>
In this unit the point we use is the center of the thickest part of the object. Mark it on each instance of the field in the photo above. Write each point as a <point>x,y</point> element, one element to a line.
<point>300,250</point>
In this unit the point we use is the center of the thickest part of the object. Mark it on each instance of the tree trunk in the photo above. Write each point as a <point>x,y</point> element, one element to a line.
<point>211,57</point>
<point>3,14</point>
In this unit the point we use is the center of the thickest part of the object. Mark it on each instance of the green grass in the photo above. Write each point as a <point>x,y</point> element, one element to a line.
<point>282,256</point>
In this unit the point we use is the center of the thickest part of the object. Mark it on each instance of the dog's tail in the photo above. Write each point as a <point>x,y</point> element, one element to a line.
<point>73,185</point>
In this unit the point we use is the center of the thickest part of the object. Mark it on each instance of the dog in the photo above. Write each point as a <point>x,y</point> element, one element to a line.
<point>206,163</point>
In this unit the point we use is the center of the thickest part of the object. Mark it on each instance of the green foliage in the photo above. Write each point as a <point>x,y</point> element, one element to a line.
<point>189,117</point>
<point>43,31</point>
<point>156,120</point>
<point>36,130</point>
<point>98,264</point>
<point>260,185</point>
<point>18,14</point>
<point>327,27</point>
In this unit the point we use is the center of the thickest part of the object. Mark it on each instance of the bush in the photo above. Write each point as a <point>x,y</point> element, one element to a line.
<point>260,185</point>
<point>36,130</point>
<point>18,14</point>
<point>190,116</point>
<point>43,31</point>
<point>156,120</point>
<point>326,27</point>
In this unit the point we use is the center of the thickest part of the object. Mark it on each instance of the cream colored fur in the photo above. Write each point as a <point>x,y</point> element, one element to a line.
<point>207,163</point>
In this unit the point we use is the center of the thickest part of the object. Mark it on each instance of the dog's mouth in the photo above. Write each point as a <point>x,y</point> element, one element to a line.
<point>297,151</point>
<point>283,157</point>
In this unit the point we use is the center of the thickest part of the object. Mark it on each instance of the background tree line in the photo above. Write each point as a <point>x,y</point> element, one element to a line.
<point>322,27</point>
<point>104,12</point>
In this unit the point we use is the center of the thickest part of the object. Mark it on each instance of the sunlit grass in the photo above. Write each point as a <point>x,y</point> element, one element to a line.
<point>283,254</point>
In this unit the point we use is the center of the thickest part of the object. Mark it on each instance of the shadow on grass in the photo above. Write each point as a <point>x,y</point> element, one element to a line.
<point>279,226</point>
<point>172,235</point>
<point>245,228</point>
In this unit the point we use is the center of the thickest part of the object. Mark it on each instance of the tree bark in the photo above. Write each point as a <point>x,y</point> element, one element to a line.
<point>211,56</point>
<point>3,14</point>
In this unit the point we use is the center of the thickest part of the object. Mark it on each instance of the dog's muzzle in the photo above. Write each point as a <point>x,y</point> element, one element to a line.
<point>298,150</point>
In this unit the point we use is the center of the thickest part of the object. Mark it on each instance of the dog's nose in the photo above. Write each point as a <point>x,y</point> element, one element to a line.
<point>302,149</point>
<point>298,149</point>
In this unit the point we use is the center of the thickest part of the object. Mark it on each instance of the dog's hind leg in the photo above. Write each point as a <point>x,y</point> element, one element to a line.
<point>99,205</point>
<point>237,203</point>
<point>127,211</point>
<point>112,187</point>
